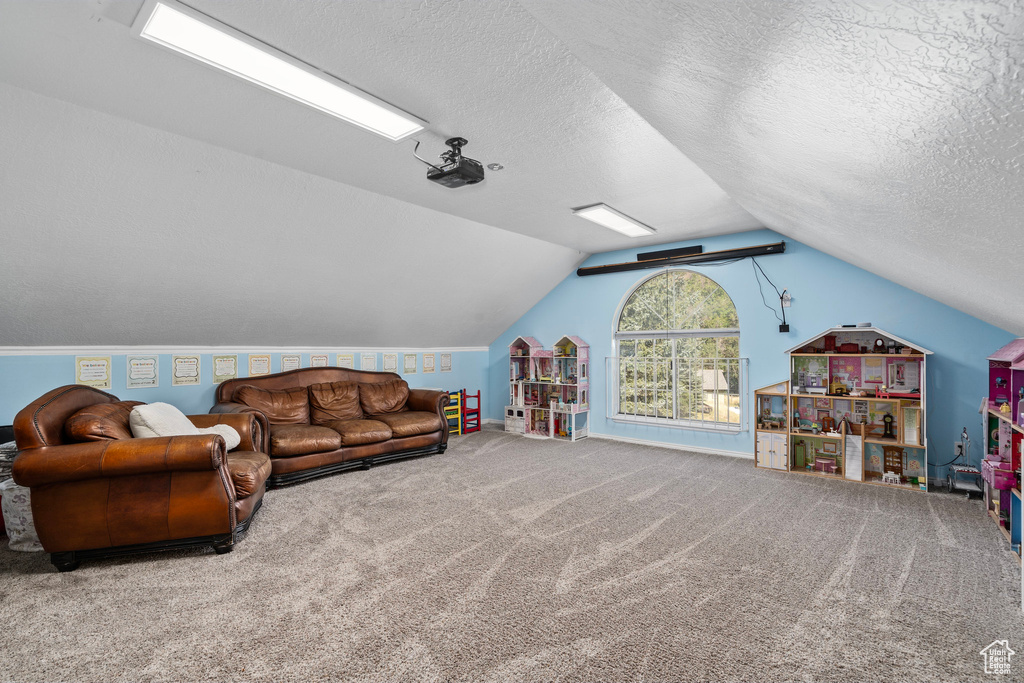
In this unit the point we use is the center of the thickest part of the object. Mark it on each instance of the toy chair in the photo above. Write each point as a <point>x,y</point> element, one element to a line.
<point>470,415</point>
<point>453,412</point>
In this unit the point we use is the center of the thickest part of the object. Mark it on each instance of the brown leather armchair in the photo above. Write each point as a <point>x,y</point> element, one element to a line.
<point>98,492</point>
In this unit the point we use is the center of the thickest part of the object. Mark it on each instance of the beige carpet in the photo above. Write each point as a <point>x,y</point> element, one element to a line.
<point>511,559</point>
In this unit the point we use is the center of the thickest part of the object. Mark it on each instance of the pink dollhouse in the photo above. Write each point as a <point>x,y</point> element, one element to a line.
<point>1006,378</point>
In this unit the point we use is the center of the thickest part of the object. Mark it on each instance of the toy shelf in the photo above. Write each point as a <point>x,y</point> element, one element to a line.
<point>1004,444</point>
<point>854,409</point>
<point>771,434</point>
<point>549,388</point>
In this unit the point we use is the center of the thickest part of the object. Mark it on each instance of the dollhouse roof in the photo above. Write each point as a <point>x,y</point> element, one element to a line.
<point>858,332</point>
<point>1011,353</point>
<point>781,388</point>
<point>528,341</point>
<point>575,340</point>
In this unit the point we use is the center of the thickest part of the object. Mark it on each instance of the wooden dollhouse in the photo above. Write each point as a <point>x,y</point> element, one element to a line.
<point>549,389</point>
<point>771,432</point>
<point>856,408</point>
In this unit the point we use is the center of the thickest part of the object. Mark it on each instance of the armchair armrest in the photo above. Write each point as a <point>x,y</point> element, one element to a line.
<point>102,459</point>
<point>263,442</point>
<point>428,400</point>
<point>246,424</point>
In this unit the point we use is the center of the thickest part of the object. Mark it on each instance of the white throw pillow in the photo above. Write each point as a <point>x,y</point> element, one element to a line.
<point>230,434</point>
<point>163,419</point>
<point>16,505</point>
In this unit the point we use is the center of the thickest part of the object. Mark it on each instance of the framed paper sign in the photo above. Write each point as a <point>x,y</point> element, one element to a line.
<point>93,371</point>
<point>259,364</point>
<point>143,372</point>
<point>368,361</point>
<point>184,370</point>
<point>428,362</point>
<point>409,363</point>
<point>390,362</point>
<point>224,368</point>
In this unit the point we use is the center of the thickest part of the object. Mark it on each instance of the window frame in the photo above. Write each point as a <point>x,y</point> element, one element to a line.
<point>615,386</point>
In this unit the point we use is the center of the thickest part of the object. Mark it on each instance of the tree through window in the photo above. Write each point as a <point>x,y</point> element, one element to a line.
<point>678,342</point>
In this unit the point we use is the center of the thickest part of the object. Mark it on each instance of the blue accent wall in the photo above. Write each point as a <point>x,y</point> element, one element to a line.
<point>826,292</point>
<point>25,378</point>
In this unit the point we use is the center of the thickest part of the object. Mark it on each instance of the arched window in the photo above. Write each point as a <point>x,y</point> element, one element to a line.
<point>678,343</point>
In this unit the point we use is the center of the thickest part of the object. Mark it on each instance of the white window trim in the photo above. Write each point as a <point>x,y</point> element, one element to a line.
<point>613,413</point>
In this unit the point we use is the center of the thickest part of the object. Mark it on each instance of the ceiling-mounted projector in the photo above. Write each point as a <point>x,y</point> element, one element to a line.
<point>455,170</point>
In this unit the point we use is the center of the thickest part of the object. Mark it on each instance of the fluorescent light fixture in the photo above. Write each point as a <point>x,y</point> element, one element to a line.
<point>195,35</point>
<point>604,215</point>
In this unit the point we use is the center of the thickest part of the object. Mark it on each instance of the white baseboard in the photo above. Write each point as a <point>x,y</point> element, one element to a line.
<point>648,442</point>
<point>676,446</point>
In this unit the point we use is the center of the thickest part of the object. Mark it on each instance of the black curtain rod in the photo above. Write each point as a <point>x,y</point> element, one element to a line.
<point>708,257</point>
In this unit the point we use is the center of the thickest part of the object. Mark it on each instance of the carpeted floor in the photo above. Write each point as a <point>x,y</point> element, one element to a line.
<point>512,559</point>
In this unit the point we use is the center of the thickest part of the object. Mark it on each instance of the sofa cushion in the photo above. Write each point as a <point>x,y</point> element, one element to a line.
<point>411,422</point>
<point>386,397</point>
<point>163,419</point>
<point>358,432</point>
<point>286,440</point>
<point>249,470</point>
<point>101,422</point>
<point>331,401</point>
<point>289,406</point>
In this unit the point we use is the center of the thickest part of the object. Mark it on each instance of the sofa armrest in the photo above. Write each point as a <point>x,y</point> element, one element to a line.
<point>124,457</point>
<point>246,424</point>
<point>263,444</point>
<point>428,400</point>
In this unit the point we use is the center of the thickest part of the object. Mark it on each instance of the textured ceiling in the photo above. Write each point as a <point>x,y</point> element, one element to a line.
<point>886,134</point>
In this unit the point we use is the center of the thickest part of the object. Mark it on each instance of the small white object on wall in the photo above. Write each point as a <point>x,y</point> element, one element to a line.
<point>224,368</point>
<point>143,372</point>
<point>93,371</point>
<point>184,371</point>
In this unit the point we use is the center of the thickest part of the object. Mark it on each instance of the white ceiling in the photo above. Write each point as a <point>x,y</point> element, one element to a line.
<point>885,134</point>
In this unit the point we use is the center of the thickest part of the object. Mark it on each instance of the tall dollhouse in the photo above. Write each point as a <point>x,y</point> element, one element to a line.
<point>549,389</point>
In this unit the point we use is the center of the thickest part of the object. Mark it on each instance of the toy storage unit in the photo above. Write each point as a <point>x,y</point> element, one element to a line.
<point>856,408</point>
<point>549,389</point>
<point>453,412</point>
<point>771,444</point>
<point>1000,471</point>
<point>1003,425</point>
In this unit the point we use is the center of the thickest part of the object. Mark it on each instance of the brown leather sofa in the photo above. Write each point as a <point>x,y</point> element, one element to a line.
<point>97,492</point>
<point>318,421</point>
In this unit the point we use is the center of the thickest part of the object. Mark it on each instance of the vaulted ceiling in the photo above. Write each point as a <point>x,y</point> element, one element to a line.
<point>147,199</point>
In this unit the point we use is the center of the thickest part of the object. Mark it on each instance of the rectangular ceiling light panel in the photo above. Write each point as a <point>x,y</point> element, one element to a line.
<point>606,216</point>
<point>193,34</point>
